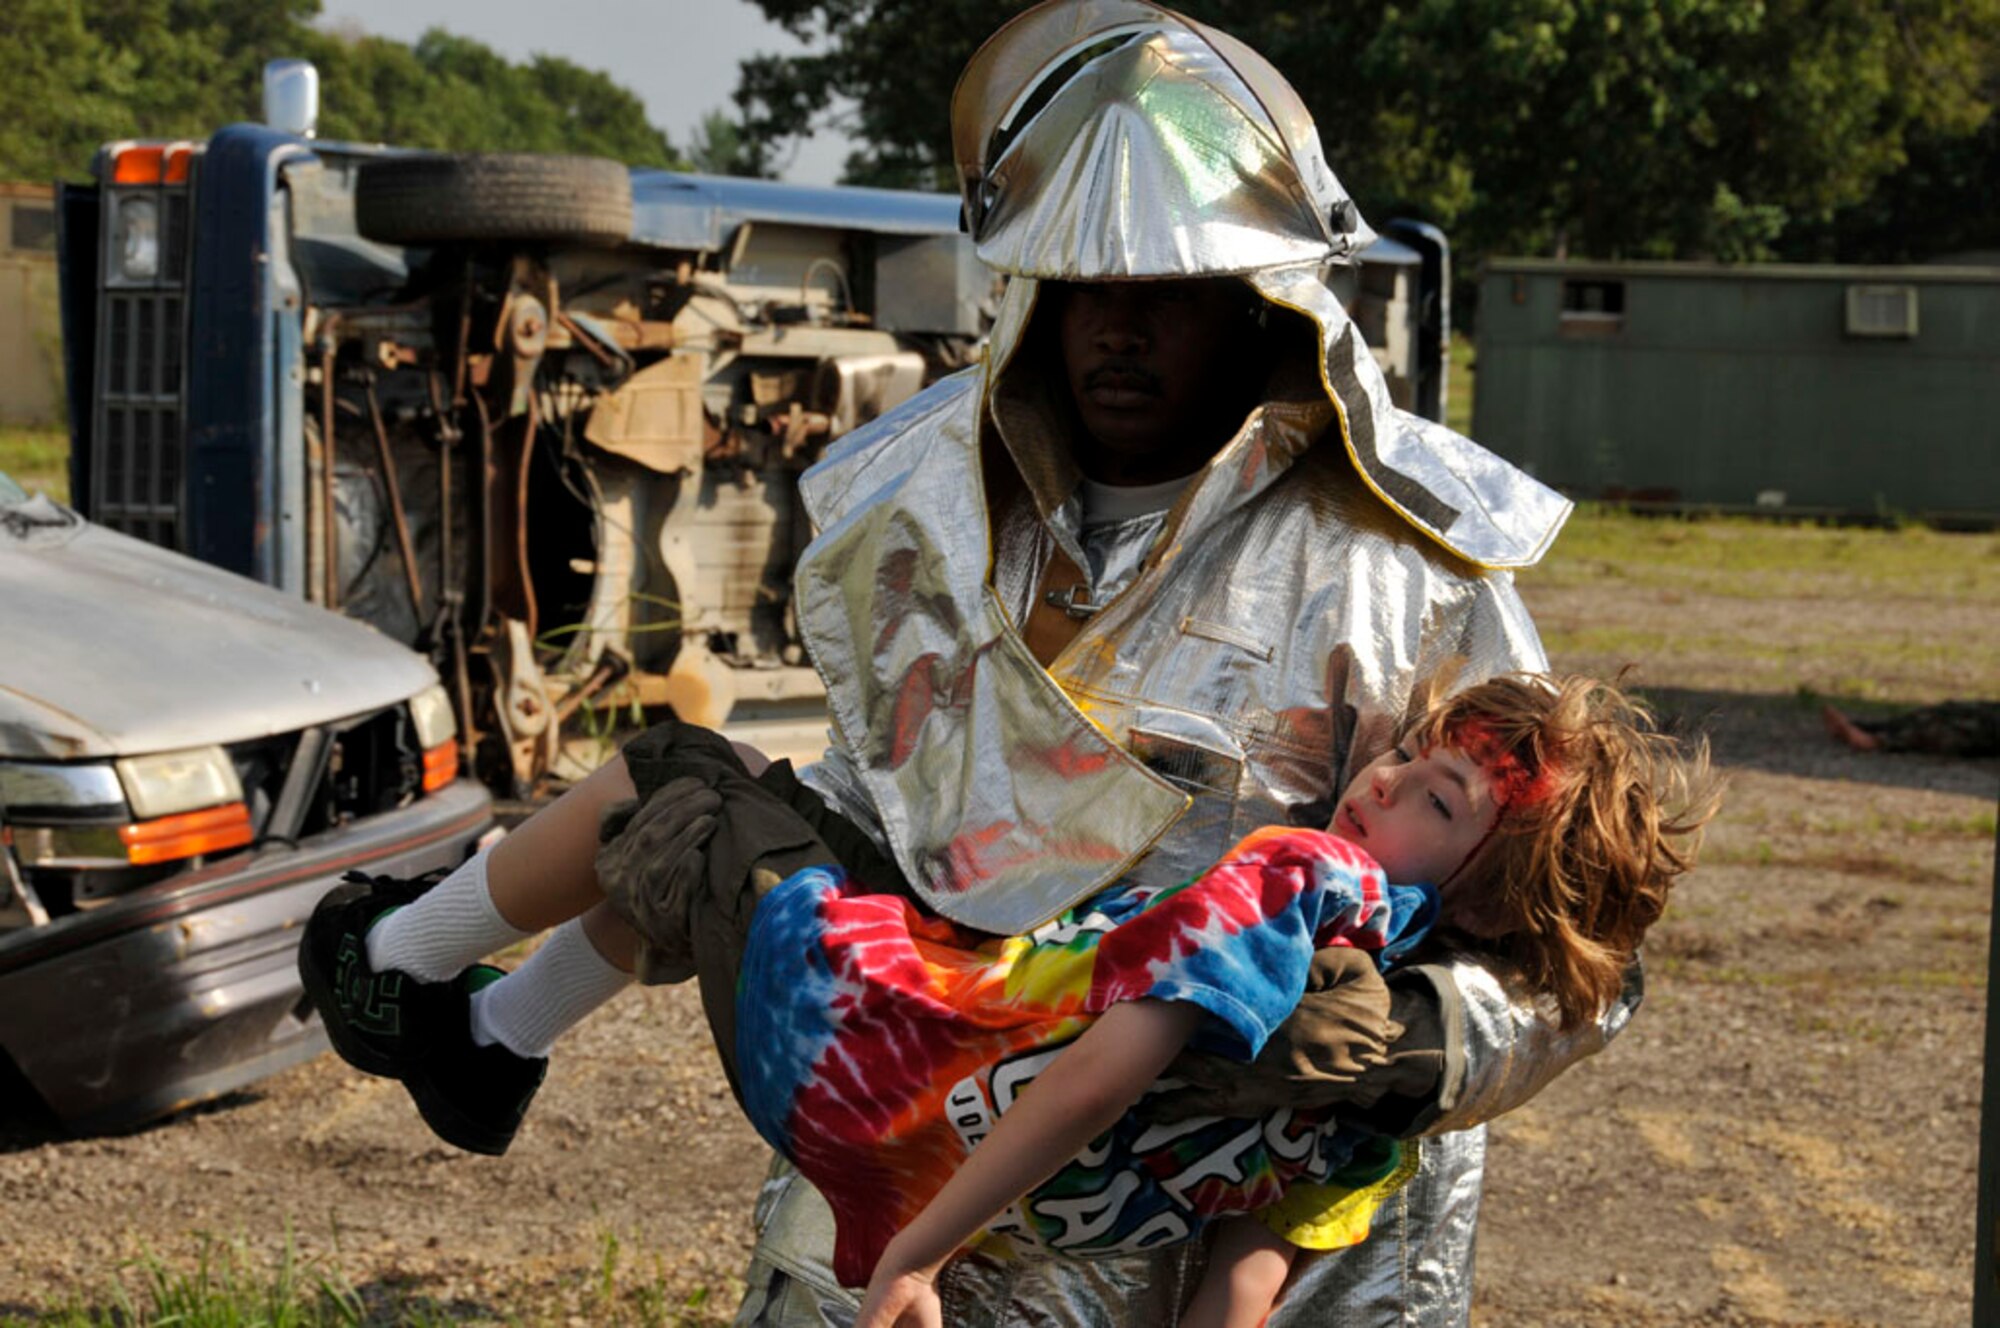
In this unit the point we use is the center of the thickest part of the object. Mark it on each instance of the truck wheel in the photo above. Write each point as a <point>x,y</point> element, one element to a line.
<point>439,198</point>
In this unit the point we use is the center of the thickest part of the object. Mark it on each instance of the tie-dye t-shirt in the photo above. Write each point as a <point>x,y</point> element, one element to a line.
<point>878,1043</point>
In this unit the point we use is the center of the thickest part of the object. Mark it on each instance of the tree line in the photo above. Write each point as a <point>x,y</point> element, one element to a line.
<point>1830,130</point>
<point>75,73</point>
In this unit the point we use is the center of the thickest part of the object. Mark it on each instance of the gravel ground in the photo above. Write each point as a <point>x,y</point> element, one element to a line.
<point>1788,1135</point>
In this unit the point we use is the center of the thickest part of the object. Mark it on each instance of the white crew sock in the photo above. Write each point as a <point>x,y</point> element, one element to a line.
<point>561,982</point>
<point>451,925</point>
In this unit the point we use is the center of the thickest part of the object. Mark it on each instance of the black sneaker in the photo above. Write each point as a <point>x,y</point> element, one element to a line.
<point>472,1097</point>
<point>371,1018</point>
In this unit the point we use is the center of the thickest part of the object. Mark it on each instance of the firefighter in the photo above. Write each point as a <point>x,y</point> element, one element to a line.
<point>1164,567</point>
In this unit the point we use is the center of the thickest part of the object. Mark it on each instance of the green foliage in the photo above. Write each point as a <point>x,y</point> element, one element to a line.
<point>1607,128</point>
<point>36,459</point>
<point>720,148</point>
<point>75,73</point>
<point>61,93</point>
<point>452,92</point>
<point>232,1284</point>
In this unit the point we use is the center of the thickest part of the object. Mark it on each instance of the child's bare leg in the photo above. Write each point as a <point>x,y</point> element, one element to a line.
<point>589,958</point>
<point>541,876</point>
<point>544,872</point>
<point>1247,1267</point>
<point>611,936</point>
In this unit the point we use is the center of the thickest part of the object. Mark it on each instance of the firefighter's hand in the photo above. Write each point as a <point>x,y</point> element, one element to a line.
<point>1319,1057</point>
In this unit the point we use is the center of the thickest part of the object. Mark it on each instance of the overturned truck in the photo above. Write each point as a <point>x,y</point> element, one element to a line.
<point>542,418</point>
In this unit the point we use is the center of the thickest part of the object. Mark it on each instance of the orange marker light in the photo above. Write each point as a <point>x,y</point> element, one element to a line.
<point>177,164</point>
<point>138,166</point>
<point>171,838</point>
<point>440,765</point>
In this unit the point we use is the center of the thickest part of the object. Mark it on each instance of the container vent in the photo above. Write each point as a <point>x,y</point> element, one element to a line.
<point>1881,311</point>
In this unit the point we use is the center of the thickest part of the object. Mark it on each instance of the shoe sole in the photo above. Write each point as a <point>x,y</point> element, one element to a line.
<point>451,1124</point>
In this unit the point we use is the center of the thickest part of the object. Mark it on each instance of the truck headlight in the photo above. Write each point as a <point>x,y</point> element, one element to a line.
<point>179,781</point>
<point>137,245</point>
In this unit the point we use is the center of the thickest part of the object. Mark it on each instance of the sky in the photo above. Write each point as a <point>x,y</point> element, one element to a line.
<point>679,56</point>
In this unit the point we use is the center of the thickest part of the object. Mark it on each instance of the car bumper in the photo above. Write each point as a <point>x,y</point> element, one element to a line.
<point>190,988</point>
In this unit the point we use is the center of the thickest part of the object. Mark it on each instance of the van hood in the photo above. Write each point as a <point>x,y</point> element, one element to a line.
<point>110,646</point>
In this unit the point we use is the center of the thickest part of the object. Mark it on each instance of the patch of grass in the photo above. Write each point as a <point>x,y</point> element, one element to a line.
<point>1459,384</point>
<point>229,1285</point>
<point>1737,975</point>
<point>1876,868</point>
<point>1640,643</point>
<point>1816,1021</point>
<point>1979,825</point>
<point>1935,979</point>
<point>1743,557</point>
<point>1851,979</point>
<point>37,459</point>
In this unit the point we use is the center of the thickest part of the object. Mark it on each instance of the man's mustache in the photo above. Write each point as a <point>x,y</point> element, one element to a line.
<point>1123,374</point>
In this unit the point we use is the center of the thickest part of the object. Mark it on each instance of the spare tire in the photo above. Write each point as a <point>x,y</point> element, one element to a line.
<point>442,198</point>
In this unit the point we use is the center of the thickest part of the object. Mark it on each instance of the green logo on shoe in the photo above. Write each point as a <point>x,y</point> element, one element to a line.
<point>370,1003</point>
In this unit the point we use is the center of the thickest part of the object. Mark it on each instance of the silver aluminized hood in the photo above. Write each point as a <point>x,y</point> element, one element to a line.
<point>110,646</point>
<point>1173,150</point>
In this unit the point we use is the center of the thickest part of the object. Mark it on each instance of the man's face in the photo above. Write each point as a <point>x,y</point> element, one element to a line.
<point>1155,370</point>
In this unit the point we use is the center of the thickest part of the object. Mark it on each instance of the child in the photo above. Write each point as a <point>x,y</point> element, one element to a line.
<point>878,1043</point>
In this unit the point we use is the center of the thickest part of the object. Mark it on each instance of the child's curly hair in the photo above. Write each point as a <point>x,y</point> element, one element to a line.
<point>1599,813</point>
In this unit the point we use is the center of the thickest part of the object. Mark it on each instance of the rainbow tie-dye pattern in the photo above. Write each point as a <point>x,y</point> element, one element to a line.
<point>877,1044</point>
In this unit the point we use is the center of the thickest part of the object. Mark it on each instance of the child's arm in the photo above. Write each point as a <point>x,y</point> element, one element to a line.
<point>1246,1269</point>
<point>1078,1097</point>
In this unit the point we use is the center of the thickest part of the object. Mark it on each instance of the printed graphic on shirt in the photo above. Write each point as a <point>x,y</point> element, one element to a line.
<point>878,1045</point>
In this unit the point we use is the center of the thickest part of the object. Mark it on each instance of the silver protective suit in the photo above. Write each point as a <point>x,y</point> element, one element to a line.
<point>1252,646</point>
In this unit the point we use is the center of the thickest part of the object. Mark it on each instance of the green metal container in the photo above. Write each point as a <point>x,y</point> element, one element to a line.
<point>1837,391</point>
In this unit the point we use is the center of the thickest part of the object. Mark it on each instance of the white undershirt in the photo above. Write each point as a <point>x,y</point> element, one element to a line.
<point>1104,503</point>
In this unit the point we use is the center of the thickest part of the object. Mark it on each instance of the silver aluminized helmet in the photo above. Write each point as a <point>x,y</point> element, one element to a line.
<point>1167,149</point>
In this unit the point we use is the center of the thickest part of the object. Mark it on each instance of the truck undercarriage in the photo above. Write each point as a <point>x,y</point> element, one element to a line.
<point>567,467</point>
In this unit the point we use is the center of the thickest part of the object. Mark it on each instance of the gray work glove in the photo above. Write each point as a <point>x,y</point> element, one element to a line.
<point>651,865</point>
<point>1331,1051</point>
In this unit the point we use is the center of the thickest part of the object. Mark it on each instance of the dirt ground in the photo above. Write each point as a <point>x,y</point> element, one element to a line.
<point>1787,1135</point>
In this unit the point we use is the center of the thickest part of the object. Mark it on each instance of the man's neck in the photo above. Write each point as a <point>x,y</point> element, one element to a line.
<point>1126,469</point>
<point>1121,502</point>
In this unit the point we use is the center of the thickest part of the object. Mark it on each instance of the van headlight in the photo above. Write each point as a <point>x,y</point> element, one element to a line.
<point>430,711</point>
<point>437,734</point>
<point>139,812</point>
<point>179,781</point>
<point>136,245</point>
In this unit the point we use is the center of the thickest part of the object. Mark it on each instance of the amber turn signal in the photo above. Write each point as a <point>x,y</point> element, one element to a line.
<point>440,765</point>
<point>171,838</point>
